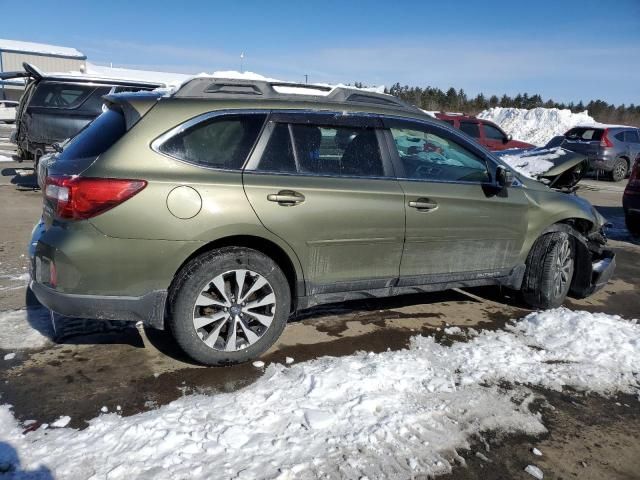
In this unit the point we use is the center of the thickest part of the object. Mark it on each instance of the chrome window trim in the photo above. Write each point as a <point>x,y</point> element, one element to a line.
<point>157,143</point>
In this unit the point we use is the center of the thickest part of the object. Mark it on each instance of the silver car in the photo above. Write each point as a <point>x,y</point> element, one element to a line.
<point>609,149</point>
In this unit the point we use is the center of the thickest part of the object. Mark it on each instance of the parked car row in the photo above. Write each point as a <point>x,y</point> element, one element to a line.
<point>609,149</point>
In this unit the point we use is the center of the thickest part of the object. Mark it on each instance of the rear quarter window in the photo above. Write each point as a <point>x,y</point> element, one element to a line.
<point>221,142</point>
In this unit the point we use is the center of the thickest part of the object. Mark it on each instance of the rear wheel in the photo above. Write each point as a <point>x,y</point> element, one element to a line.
<point>549,273</point>
<point>229,306</point>
<point>620,169</point>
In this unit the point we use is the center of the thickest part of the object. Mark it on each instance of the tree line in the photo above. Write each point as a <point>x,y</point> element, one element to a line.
<point>452,100</point>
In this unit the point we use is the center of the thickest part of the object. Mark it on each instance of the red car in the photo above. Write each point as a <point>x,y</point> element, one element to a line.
<point>485,132</point>
<point>631,200</point>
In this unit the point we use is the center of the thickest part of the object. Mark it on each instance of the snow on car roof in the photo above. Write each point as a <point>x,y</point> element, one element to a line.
<point>40,48</point>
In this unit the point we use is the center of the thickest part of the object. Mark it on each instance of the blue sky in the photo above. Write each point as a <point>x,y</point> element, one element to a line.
<point>564,49</point>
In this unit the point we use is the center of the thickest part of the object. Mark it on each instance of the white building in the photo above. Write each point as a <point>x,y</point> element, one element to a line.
<point>48,58</point>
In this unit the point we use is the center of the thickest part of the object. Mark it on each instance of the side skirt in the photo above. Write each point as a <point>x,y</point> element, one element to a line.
<point>512,279</point>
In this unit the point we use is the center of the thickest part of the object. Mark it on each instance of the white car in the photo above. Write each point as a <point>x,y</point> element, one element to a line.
<point>8,111</point>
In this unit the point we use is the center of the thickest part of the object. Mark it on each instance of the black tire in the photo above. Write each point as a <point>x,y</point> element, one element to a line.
<point>539,288</point>
<point>620,170</point>
<point>195,276</point>
<point>633,224</point>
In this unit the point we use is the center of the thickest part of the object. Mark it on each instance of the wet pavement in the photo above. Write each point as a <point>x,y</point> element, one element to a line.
<point>96,364</point>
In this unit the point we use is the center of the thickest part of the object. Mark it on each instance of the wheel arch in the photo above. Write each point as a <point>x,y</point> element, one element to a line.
<point>578,229</point>
<point>289,266</point>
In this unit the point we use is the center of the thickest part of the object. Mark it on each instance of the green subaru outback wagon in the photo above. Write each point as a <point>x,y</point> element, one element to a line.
<point>220,209</point>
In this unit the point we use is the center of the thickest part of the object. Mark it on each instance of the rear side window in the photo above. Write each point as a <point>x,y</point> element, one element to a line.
<point>96,138</point>
<point>492,133</point>
<point>584,133</point>
<point>470,128</point>
<point>632,136</point>
<point>323,150</point>
<point>60,95</point>
<point>221,142</point>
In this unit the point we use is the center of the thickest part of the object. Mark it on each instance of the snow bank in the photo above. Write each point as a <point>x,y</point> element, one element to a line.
<point>538,125</point>
<point>532,163</point>
<point>389,415</point>
<point>25,329</point>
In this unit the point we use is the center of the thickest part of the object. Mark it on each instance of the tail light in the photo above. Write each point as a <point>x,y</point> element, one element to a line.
<point>604,141</point>
<point>78,198</point>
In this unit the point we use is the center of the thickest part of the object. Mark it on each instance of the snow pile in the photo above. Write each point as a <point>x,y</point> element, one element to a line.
<point>389,415</point>
<point>538,125</point>
<point>532,163</point>
<point>29,328</point>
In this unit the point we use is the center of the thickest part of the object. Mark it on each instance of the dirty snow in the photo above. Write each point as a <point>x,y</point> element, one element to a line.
<point>538,125</point>
<point>25,329</point>
<point>532,163</point>
<point>4,158</point>
<point>388,415</point>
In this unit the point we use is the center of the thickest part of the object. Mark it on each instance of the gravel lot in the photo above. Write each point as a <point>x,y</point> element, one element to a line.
<point>95,364</point>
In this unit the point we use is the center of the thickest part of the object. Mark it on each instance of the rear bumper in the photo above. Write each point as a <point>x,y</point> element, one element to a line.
<point>148,308</point>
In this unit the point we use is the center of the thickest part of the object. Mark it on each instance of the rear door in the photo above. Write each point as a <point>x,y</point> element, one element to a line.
<point>324,185</point>
<point>459,226</point>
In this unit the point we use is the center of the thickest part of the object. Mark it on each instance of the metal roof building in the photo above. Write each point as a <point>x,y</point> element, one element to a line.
<point>49,58</point>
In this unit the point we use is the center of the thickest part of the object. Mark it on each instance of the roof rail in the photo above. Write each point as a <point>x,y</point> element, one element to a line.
<point>208,87</point>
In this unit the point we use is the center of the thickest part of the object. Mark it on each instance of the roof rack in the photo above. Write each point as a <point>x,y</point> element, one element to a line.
<point>208,87</point>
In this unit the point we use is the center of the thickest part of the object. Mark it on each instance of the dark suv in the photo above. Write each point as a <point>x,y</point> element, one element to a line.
<point>219,210</point>
<point>55,107</point>
<point>483,131</point>
<point>609,149</point>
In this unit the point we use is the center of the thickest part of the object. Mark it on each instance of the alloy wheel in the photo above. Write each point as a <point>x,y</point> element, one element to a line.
<point>234,310</point>
<point>564,267</point>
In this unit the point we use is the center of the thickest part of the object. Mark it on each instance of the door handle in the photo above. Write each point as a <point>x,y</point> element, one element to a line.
<point>286,198</point>
<point>423,204</point>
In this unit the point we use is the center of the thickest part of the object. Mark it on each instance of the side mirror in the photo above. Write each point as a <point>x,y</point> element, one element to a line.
<point>504,177</point>
<point>507,139</point>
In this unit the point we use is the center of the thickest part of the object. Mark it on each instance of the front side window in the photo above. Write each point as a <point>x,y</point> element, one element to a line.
<point>492,133</point>
<point>470,128</point>
<point>426,155</point>
<point>322,150</point>
<point>221,142</point>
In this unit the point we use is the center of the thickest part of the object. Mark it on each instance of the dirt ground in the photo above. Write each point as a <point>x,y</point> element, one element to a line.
<point>97,364</point>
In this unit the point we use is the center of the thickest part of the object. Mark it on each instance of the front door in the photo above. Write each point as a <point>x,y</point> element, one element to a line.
<point>494,138</point>
<point>323,185</point>
<point>458,225</point>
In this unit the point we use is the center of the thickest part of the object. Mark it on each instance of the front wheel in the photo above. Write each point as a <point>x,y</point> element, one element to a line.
<point>229,306</point>
<point>549,272</point>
